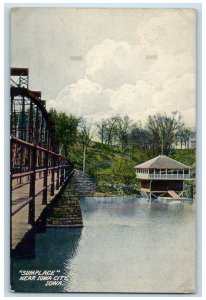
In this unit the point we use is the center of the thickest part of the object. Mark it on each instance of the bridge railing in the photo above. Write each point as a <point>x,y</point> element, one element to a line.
<point>162,176</point>
<point>36,162</point>
<point>53,166</point>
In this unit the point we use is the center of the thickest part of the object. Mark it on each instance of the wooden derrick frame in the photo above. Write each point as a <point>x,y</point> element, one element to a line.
<point>34,149</point>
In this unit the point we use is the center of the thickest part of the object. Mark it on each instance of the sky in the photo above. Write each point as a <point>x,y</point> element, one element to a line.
<point>98,63</point>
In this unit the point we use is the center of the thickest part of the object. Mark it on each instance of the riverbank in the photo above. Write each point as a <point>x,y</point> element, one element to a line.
<point>66,210</point>
<point>109,160</point>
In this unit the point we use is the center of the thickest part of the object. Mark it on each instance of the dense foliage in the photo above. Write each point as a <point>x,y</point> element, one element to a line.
<point>66,129</point>
<point>122,145</point>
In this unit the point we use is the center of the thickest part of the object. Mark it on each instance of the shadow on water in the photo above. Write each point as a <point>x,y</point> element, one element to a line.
<point>52,250</point>
<point>26,248</point>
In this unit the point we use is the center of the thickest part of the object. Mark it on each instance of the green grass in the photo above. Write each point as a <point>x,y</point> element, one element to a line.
<point>97,158</point>
<point>107,166</point>
<point>185,156</point>
<point>101,159</point>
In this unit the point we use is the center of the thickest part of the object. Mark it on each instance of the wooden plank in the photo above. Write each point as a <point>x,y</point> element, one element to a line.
<point>145,190</point>
<point>20,226</point>
<point>173,194</point>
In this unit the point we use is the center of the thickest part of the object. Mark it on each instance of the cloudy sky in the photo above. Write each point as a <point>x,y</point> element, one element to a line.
<point>102,62</point>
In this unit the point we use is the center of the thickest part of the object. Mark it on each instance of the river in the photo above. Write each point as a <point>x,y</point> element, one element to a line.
<point>127,245</point>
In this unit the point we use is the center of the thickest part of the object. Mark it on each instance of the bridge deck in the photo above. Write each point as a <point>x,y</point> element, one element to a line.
<point>19,221</point>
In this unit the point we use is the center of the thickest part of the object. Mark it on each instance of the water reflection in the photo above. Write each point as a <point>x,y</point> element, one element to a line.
<point>131,245</point>
<point>127,245</point>
<point>124,206</point>
<point>156,205</point>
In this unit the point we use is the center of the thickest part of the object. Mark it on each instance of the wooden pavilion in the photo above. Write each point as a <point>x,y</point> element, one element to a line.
<point>163,176</point>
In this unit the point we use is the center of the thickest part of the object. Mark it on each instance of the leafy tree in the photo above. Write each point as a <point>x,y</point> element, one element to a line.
<point>101,130</point>
<point>164,130</point>
<point>184,136</point>
<point>139,138</point>
<point>122,166</point>
<point>124,126</point>
<point>65,128</point>
<point>107,130</point>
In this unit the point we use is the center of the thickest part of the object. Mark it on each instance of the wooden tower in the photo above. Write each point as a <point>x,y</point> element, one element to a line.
<point>162,175</point>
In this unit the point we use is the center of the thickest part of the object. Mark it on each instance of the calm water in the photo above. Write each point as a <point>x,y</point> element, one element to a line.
<point>126,245</point>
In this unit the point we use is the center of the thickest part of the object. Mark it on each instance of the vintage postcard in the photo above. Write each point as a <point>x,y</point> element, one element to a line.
<point>103,150</point>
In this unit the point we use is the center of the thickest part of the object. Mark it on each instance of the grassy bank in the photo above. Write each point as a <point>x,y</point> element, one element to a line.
<point>114,173</point>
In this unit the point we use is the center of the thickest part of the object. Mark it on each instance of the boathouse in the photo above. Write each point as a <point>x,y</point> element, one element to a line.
<point>161,175</point>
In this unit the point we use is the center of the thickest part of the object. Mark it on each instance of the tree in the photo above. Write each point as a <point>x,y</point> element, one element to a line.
<point>65,129</point>
<point>124,126</point>
<point>184,135</point>
<point>85,134</point>
<point>103,131</point>
<point>139,138</point>
<point>164,130</point>
<point>107,130</point>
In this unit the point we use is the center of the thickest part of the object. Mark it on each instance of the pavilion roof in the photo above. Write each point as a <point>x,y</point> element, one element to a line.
<point>162,162</point>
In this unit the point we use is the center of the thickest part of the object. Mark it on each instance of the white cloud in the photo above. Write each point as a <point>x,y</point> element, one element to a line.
<point>112,64</point>
<point>177,94</point>
<point>133,99</point>
<point>157,74</point>
<point>168,67</point>
<point>83,98</point>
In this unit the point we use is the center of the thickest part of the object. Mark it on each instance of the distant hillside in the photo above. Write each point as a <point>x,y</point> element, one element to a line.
<point>114,174</point>
<point>103,159</point>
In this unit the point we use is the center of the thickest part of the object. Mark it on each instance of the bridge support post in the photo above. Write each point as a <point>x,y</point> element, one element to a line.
<point>57,182</point>
<point>31,216</point>
<point>52,176</point>
<point>45,181</point>
<point>61,173</point>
